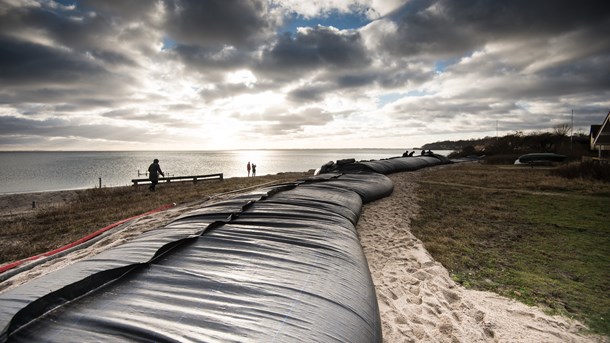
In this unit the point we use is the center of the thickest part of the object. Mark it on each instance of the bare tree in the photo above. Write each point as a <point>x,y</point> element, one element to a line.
<point>562,129</point>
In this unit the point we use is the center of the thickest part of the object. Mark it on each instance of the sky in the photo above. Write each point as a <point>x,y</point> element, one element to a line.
<point>264,74</point>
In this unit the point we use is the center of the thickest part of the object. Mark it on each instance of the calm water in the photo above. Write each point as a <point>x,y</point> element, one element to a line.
<point>48,171</point>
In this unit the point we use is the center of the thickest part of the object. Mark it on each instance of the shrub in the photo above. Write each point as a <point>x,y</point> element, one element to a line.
<point>586,170</point>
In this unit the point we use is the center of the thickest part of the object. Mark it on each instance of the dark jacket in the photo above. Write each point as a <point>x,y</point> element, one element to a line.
<point>154,170</point>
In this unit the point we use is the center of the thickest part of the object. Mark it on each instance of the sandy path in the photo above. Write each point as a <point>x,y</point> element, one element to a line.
<point>418,300</point>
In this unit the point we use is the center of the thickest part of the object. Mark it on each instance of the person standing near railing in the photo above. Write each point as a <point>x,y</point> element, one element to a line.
<point>154,170</point>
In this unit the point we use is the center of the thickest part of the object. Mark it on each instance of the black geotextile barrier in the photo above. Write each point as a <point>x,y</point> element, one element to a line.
<point>280,264</point>
<point>386,166</point>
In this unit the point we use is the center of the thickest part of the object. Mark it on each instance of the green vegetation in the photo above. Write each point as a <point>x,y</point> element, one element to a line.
<point>49,228</point>
<point>523,233</point>
<point>506,149</point>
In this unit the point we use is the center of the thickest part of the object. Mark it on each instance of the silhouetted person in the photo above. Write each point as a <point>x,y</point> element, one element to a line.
<point>153,174</point>
<point>405,154</point>
<point>248,168</point>
<point>253,169</point>
<point>411,153</point>
<point>423,152</point>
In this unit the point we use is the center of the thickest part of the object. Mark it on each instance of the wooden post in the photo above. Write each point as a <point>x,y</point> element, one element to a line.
<point>100,182</point>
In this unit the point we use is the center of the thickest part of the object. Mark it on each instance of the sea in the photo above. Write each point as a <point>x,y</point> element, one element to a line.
<point>41,171</point>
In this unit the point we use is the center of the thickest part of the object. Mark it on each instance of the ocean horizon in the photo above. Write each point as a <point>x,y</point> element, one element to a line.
<point>41,171</point>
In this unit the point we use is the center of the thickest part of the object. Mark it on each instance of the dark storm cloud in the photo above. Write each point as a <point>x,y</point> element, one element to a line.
<point>218,22</point>
<point>213,61</point>
<point>133,10</point>
<point>23,63</point>
<point>356,80</point>
<point>403,76</point>
<point>309,93</point>
<point>314,48</point>
<point>112,58</point>
<point>69,64</point>
<point>316,91</point>
<point>69,28</point>
<point>36,74</point>
<point>524,18</point>
<point>55,127</point>
<point>352,82</point>
<point>448,27</point>
<point>582,75</point>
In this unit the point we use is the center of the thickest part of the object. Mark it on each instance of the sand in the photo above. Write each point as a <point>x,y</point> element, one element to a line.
<point>418,300</point>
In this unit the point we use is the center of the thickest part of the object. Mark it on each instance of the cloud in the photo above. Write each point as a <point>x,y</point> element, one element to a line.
<point>280,122</point>
<point>445,28</point>
<point>175,70</point>
<point>210,23</point>
<point>46,56</point>
<point>24,62</point>
<point>151,118</point>
<point>56,127</point>
<point>313,48</point>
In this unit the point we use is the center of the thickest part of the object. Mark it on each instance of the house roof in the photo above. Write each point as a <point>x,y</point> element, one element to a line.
<point>600,135</point>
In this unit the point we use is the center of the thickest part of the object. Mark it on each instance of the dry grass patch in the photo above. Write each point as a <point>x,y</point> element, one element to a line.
<point>522,233</point>
<point>50,227</point>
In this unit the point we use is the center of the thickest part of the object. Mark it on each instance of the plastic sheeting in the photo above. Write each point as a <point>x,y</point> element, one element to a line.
<point>280,264</point>
<point>386,166</point>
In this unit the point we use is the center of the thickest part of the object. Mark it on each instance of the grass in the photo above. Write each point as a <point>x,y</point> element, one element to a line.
<point>522,233</point>
<point>53,227</point>
<point>584,170</point>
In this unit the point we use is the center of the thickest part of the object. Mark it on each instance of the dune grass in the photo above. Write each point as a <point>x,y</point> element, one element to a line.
<point>52,227</point>
<point>522,233</point>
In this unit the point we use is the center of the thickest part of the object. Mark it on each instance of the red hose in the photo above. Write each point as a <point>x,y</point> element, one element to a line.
<point>82,240</point>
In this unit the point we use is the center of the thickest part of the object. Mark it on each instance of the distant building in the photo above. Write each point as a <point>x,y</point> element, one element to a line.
<point>600,136</point>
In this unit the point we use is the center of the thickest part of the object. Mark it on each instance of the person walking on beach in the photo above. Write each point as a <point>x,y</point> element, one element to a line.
<point>248,167</point>
<point>253,169</point>
<point>154,170</point>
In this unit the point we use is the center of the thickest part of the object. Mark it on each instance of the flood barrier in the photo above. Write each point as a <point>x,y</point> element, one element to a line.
<point>278,264</point>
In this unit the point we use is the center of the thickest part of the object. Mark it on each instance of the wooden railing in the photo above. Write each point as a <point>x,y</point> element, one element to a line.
<point>193,178</point>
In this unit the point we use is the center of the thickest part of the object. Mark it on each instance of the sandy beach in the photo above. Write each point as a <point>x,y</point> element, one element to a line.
<point>418,300</point>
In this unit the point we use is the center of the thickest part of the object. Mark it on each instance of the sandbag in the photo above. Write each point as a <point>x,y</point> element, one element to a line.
<point>279,264</point>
